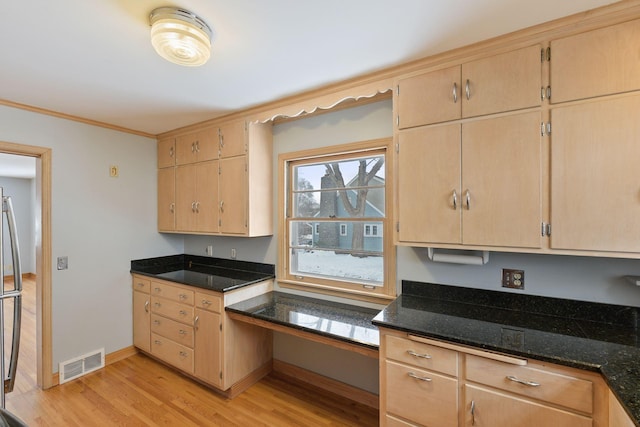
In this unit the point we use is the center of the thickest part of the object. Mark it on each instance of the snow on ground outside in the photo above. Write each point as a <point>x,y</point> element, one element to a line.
<point>327,263</point>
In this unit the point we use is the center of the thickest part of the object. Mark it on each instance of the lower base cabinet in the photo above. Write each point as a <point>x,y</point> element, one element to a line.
<point>187,328</point>
<point>425,382</point>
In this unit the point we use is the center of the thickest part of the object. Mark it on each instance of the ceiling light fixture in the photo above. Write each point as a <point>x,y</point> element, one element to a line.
<point>180,36</point>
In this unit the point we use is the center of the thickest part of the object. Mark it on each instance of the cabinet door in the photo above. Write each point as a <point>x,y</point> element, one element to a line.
<point>595,63</point>
<point>429,98</point>
<point>141,321</point>
<point>233,195</point>
<point>186,149</point>
<point>232,139</point>
<point>167,199</point>
<point>208,347</point>
<point>485,408</point>
<point>595,178</point>
<point>207,196</point>
<point>166,152</point>
<point>186,198</point>
<point>617,415</point>
<point>505,82</point>
<point>502,177</point>
<point>428,182</point>
<point>207,144</point>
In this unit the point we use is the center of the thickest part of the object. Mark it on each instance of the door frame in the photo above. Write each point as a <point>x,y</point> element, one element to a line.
<point>44,360</point>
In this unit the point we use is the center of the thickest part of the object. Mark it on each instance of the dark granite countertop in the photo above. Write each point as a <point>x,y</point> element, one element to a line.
<point>344,322</point>
<point>216,274</point>
<point>598,337</point>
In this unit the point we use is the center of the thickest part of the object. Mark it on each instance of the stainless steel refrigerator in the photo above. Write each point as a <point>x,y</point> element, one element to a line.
<point>15,294</point>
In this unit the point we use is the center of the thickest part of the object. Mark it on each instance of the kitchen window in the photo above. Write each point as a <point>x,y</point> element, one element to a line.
<point>333,201</point>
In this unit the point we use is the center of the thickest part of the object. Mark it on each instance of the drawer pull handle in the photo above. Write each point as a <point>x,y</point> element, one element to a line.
<point>417,377</point>
<point>519,381</point>
<point>195,322</point>
<point>146,306</point>
<point>156,322</point>
<point>422,356</point>
<point>183,354</point>
<point>182,296</point>
<point>140,285</point>
<point>206,302</point>
<point>182,313</point>
<point>157,304</point>
<point>157,289</point>
<point>182,332</point>
<point>157,342</point>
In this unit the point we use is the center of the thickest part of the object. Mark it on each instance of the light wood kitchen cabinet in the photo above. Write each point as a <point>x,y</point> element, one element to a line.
<point>617,415</point>
<point>595,63</point>
<point>426,382</point>
<point>187,328</point>
<point>166,152</point>
<point>489,408</point>
<point>208,345</point>
<point>197,197</point>
<point>230,196</point>
<point>415,376</point>
<point>233,195</point>
<point>197,146</point>
<point>141,313</point>
<point>232,138</point>
<point>503,82</point>
<point>595,179</point>
<point>167,199</point>
<point>476,183</point>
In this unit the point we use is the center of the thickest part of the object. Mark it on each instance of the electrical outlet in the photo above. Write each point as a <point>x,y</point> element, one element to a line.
<point>209,250</point>
<point>513,279</point>
<point>63,263</point>
<point>512,338</point>
<point>233,253</point>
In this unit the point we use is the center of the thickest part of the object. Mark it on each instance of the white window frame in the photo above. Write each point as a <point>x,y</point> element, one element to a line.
<point>377,227</point>
<point>338,287</point>
<point>343,226</point>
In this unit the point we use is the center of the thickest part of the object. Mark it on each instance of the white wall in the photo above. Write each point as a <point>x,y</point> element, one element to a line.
<point>22,192</point>
<point>100,223</point>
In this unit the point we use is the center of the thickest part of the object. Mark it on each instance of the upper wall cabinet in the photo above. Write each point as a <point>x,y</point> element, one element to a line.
<point>230,196</point>
<point>166,152</point>
<point>476,183</point>
<point>197,147</point>
<point>595,179</point>
<point>504,82</point>
<point>599,62</point>
<point>231,138</point>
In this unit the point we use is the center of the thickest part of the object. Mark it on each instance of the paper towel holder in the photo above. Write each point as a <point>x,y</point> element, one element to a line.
<point>457,258</point>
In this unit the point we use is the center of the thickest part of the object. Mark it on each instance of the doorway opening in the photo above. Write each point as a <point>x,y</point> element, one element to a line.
<point>42,242</point>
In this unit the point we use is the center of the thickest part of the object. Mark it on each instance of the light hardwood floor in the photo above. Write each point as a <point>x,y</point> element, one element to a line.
<point>139,391</point>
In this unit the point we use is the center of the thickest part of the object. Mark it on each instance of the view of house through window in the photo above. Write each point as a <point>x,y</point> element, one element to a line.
<point>335,218</point>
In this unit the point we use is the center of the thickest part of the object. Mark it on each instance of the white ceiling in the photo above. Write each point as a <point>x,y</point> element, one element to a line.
<point>93,59</point>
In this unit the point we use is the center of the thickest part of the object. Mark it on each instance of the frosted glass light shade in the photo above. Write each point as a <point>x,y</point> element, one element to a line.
<point>179,36</point>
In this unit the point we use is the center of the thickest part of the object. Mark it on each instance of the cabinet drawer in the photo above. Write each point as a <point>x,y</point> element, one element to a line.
<point>175,331</point>
<point>141,284</point>
<point>208,302</point>
<point>171,309</point>
<point>173,353</point>
<point>421,396</point>
<point>422,355</point>
<point>174,293</point>
<point>564,390</point>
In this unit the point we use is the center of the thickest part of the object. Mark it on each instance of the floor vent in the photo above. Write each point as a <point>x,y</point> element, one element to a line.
<point>80,366</point>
